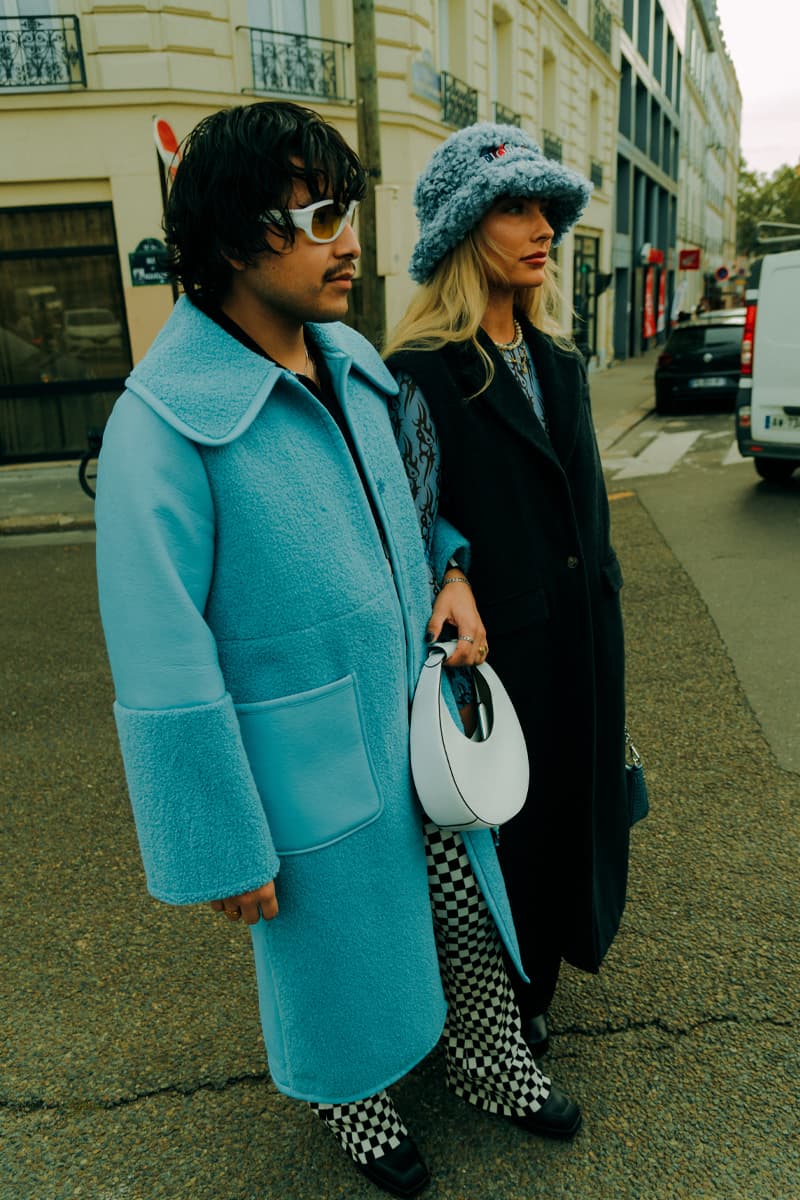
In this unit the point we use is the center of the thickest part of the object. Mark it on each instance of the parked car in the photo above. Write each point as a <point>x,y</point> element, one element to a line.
<point>90,329</point>
<point>700,362</point>
<point>768,402</point>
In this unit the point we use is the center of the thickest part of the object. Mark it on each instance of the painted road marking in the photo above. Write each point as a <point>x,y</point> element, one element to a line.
<point>733,455</point>
<point>660,456</point>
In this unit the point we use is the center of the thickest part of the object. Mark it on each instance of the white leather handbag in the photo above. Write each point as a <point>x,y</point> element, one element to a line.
<point>467,782</point>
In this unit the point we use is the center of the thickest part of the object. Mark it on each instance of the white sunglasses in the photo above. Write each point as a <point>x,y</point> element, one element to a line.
<point>321,222</point>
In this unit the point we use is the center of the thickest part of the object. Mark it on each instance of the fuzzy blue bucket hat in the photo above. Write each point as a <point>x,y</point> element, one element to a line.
<point>472,169</point>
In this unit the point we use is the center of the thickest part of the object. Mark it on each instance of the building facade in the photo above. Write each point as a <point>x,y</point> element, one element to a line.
<point>81,290</point>
<point>709,166</point>
<point>648,156</point>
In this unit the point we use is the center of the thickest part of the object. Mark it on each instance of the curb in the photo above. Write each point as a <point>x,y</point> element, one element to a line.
<point>44,523</point>
<point>617,429</point>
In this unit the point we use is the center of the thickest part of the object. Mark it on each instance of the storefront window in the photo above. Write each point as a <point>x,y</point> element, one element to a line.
<point>64,350</point>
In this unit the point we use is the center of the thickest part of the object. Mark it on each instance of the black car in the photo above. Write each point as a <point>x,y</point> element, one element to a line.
<point>699,367</point>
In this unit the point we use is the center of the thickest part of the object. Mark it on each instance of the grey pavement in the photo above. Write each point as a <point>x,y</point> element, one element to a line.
<point>132,1063</point>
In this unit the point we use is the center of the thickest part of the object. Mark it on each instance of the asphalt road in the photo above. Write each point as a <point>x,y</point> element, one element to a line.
<point>132,1063</point>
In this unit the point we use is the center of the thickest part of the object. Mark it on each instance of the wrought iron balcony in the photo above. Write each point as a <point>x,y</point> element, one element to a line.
<point>505,116</point>
<point>41,52</point>
<point>602,26</point>
<point>596,174</point>
<point>296,65</point>
<point>553,146</point>
<point>459,101</point>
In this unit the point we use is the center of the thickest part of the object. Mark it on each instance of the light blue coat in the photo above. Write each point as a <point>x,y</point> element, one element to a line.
<point>263,653</point>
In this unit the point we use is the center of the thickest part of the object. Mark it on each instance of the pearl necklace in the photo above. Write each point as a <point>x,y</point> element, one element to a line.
<point>515,341</point>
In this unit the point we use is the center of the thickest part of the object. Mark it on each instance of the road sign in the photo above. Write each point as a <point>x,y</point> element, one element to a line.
<point>166,144</point>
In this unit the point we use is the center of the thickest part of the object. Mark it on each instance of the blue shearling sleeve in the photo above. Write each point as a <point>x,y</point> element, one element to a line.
<point>202,829</point>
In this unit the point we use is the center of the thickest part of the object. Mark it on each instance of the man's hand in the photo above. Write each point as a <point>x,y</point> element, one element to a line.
<point>250,906</point>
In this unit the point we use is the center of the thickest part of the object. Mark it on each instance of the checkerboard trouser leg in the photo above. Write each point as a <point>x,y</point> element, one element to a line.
<point>488,1061</point>
<point>366,1129</point>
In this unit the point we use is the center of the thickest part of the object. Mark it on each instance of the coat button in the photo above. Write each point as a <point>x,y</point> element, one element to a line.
<point>572,562</point>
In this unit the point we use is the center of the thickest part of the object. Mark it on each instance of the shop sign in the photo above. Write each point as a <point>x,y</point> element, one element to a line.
<point>148,263</point>
<point>649,326</point>
<point>689,260</point>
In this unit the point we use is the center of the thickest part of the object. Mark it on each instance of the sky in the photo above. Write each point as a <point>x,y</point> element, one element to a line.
<point>762,37</point>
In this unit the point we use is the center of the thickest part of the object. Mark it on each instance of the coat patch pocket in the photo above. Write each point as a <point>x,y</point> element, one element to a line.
<point>311,765</point>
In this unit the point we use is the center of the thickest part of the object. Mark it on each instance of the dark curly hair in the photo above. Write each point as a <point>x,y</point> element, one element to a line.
<point>238,164</point>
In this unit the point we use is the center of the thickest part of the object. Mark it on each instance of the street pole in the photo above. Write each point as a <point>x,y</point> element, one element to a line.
<point>372,308</point>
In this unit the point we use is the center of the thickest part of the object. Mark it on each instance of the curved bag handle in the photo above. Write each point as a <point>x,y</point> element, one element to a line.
<point>466,783</point>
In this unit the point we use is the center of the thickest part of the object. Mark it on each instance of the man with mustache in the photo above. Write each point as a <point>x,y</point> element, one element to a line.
<point>265,598</point>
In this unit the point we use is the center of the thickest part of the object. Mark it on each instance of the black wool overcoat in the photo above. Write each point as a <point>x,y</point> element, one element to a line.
<point>546,581</point>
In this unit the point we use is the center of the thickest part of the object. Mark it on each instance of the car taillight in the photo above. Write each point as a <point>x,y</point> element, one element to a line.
<point>743,416</point>
<point>664,360</point>
<point>748,340</point>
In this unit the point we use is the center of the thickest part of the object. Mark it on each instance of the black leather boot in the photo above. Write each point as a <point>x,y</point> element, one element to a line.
<point>559,1117</point>
<point>400,1172</point>
<point>536,1034</point>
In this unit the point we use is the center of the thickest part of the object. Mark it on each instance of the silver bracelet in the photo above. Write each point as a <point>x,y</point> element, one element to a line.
<point>456,579</point>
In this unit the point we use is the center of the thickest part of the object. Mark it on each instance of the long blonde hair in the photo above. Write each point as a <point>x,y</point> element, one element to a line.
<point>450,306</point>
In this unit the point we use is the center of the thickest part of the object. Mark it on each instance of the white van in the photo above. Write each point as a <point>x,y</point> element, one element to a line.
<point>768,399</point>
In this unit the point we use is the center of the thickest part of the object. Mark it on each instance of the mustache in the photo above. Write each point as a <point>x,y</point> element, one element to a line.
<point>342,271</point>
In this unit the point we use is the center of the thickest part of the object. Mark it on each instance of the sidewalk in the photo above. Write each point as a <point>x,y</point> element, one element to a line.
<point>133,1066</point>
<point>46,497</point>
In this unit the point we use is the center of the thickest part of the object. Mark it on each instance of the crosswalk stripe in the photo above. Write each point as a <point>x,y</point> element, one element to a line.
<point>733,455</point>
<point>660,456</point>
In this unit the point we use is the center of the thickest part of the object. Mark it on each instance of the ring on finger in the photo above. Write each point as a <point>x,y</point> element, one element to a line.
<point>464,637</point>
<point>233,913</point>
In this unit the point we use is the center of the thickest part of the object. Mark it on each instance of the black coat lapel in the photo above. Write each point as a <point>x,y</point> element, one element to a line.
<point>562,381</point>
<point>503,397</point>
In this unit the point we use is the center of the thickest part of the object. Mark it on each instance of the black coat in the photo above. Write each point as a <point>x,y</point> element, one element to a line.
<point>546,581</point>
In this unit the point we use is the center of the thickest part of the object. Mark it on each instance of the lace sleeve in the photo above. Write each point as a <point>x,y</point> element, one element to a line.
<point>419,447</point>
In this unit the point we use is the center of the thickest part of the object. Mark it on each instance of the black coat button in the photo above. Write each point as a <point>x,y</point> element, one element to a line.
<point>572,562</point>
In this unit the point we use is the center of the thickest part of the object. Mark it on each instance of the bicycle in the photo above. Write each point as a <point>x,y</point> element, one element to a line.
<point>87,467</point>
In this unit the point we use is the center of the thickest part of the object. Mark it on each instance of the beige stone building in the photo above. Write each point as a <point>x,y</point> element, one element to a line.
<point>81,81</point>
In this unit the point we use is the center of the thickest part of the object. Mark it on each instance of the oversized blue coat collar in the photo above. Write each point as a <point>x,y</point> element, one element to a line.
<point>228,385</point>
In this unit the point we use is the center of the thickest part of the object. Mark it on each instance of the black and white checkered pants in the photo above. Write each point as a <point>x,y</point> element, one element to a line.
<point>488,1062</point>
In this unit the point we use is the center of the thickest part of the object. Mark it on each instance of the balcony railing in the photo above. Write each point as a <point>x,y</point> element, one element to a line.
<point>41,52</point>
<point>293,64</point>
<point>602,26</point>
<point>459,101</point>
<point>553,146</point>
<point>505,116</point>
<point>596,174</point>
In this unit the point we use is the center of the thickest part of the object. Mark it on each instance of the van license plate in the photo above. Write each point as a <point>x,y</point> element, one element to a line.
<point>710,381</point>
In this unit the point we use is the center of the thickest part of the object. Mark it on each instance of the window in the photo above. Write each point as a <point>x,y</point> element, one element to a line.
<point>64,350</point>
<point>625,99</point>
<point>643,40</point>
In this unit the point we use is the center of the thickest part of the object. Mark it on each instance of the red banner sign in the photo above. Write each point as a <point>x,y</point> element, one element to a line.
<point>649,324</point>
<point>688,260</point>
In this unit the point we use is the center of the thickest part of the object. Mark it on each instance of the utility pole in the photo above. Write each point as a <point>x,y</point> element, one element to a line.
<point>372,308</point>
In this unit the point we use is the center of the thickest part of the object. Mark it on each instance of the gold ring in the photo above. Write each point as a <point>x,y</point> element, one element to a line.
<point>233,913</point>
<point>484,650</point>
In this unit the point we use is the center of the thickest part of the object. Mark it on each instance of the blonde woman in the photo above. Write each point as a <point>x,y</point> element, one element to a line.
<point>494,423</point>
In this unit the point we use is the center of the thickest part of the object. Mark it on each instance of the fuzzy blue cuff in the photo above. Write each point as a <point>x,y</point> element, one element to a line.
<point>202,829</point>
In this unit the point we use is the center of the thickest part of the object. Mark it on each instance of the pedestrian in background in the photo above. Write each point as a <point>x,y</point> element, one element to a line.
<point>495,426</point>
<point>265,598</point>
